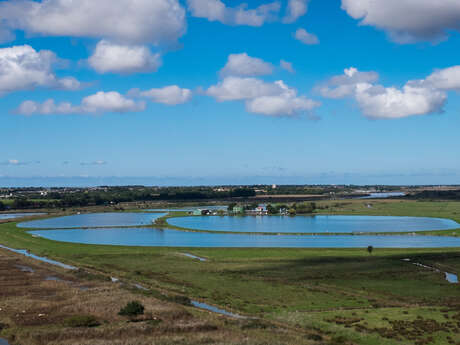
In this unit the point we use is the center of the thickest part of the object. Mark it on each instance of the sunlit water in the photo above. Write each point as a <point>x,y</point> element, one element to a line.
<point>94,220</point>
<point>313,224</point>
<point>173,238</point>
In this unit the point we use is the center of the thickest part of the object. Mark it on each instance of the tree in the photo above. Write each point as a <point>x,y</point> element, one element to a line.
<point>2,206</point>
<point>133,308</point>
<point>370,249</point>
<point>271,209</point>
<point>231,206</point>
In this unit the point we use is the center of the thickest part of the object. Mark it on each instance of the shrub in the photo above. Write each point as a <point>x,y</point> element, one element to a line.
<point>133,308</point>
<point>81,321</point>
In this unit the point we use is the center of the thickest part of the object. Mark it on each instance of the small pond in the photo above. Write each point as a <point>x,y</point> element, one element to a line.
<point>313,224</point>
<point>92,220</point>
<point>18,215</point>
<point>382,195</point>
<point>174,238</point>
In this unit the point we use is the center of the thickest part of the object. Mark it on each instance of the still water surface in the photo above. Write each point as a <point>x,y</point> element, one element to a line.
<point>18,215</point>
<point>314,224</point>
<point>94,220</point>
<point>173,238</point>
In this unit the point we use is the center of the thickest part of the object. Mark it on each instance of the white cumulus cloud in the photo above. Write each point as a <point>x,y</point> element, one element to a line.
<point>286,103</point>
<point>24,68</point>
<point>125,59</point>
<point>445,79</point>
<point>305,37</point>
<point>408,20</point>
<point>294,10</point>
<point>100,102</point>
<point>345,85</point>
<point>273,99</point>
<point>128,21</point>
<point>416,97</point>
<point>390,102</point>
<point>170,95</point>
<point>244,65</point>
<point>216,10</point>
<point>236,89</point>
<point>110,102</point>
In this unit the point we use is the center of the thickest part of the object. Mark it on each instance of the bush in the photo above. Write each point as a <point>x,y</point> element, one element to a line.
<point>81,321</point>
<point>133,308</point>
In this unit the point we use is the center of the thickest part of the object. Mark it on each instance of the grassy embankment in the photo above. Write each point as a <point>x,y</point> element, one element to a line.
<point>358,297</point>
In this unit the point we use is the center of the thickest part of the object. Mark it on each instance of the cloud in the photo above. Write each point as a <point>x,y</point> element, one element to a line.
<point>417,97</point>
<point>16,162</point>
<point>287,66</point>
<point>345,85</point>
<point>125,59</point>
<point>444,79</point>
<point>170,95</point>
<point>236,88</point>
<point>24,68</point>
<point>390,102</point>
<point>294,10</point>
<point>98,162</point>
<point>216,10</point>
<point>272,99</point>
<point>127,21</point>
<point>243,65</point>
<point>407,21</point>
<point>101,102</point>
<point>305,37</point>
<point>286,103</point>
<point>110,102</point>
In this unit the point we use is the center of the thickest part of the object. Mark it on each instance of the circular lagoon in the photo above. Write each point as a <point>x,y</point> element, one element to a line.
<point>92,220</point>
<point>173,238</point>
<point>313,224</point>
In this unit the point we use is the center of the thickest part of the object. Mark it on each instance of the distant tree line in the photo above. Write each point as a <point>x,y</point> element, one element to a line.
<point>115,195</point>
<point>436,195</point>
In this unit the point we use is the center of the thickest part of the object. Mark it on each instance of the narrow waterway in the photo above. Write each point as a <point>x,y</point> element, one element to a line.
<point>40,258</point>
<point>216,310</point>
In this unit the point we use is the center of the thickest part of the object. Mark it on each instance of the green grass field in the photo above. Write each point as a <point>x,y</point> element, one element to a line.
<point>355,296</point>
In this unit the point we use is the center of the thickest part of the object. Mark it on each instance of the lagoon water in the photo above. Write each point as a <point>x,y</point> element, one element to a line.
<point>92,220</point>
<point>18,215</point>
<point>382,195</point>
<point>174,238</point>
<point>314,224</point>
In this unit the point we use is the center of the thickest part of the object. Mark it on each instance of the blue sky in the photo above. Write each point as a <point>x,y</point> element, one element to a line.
<point>192,92</point>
